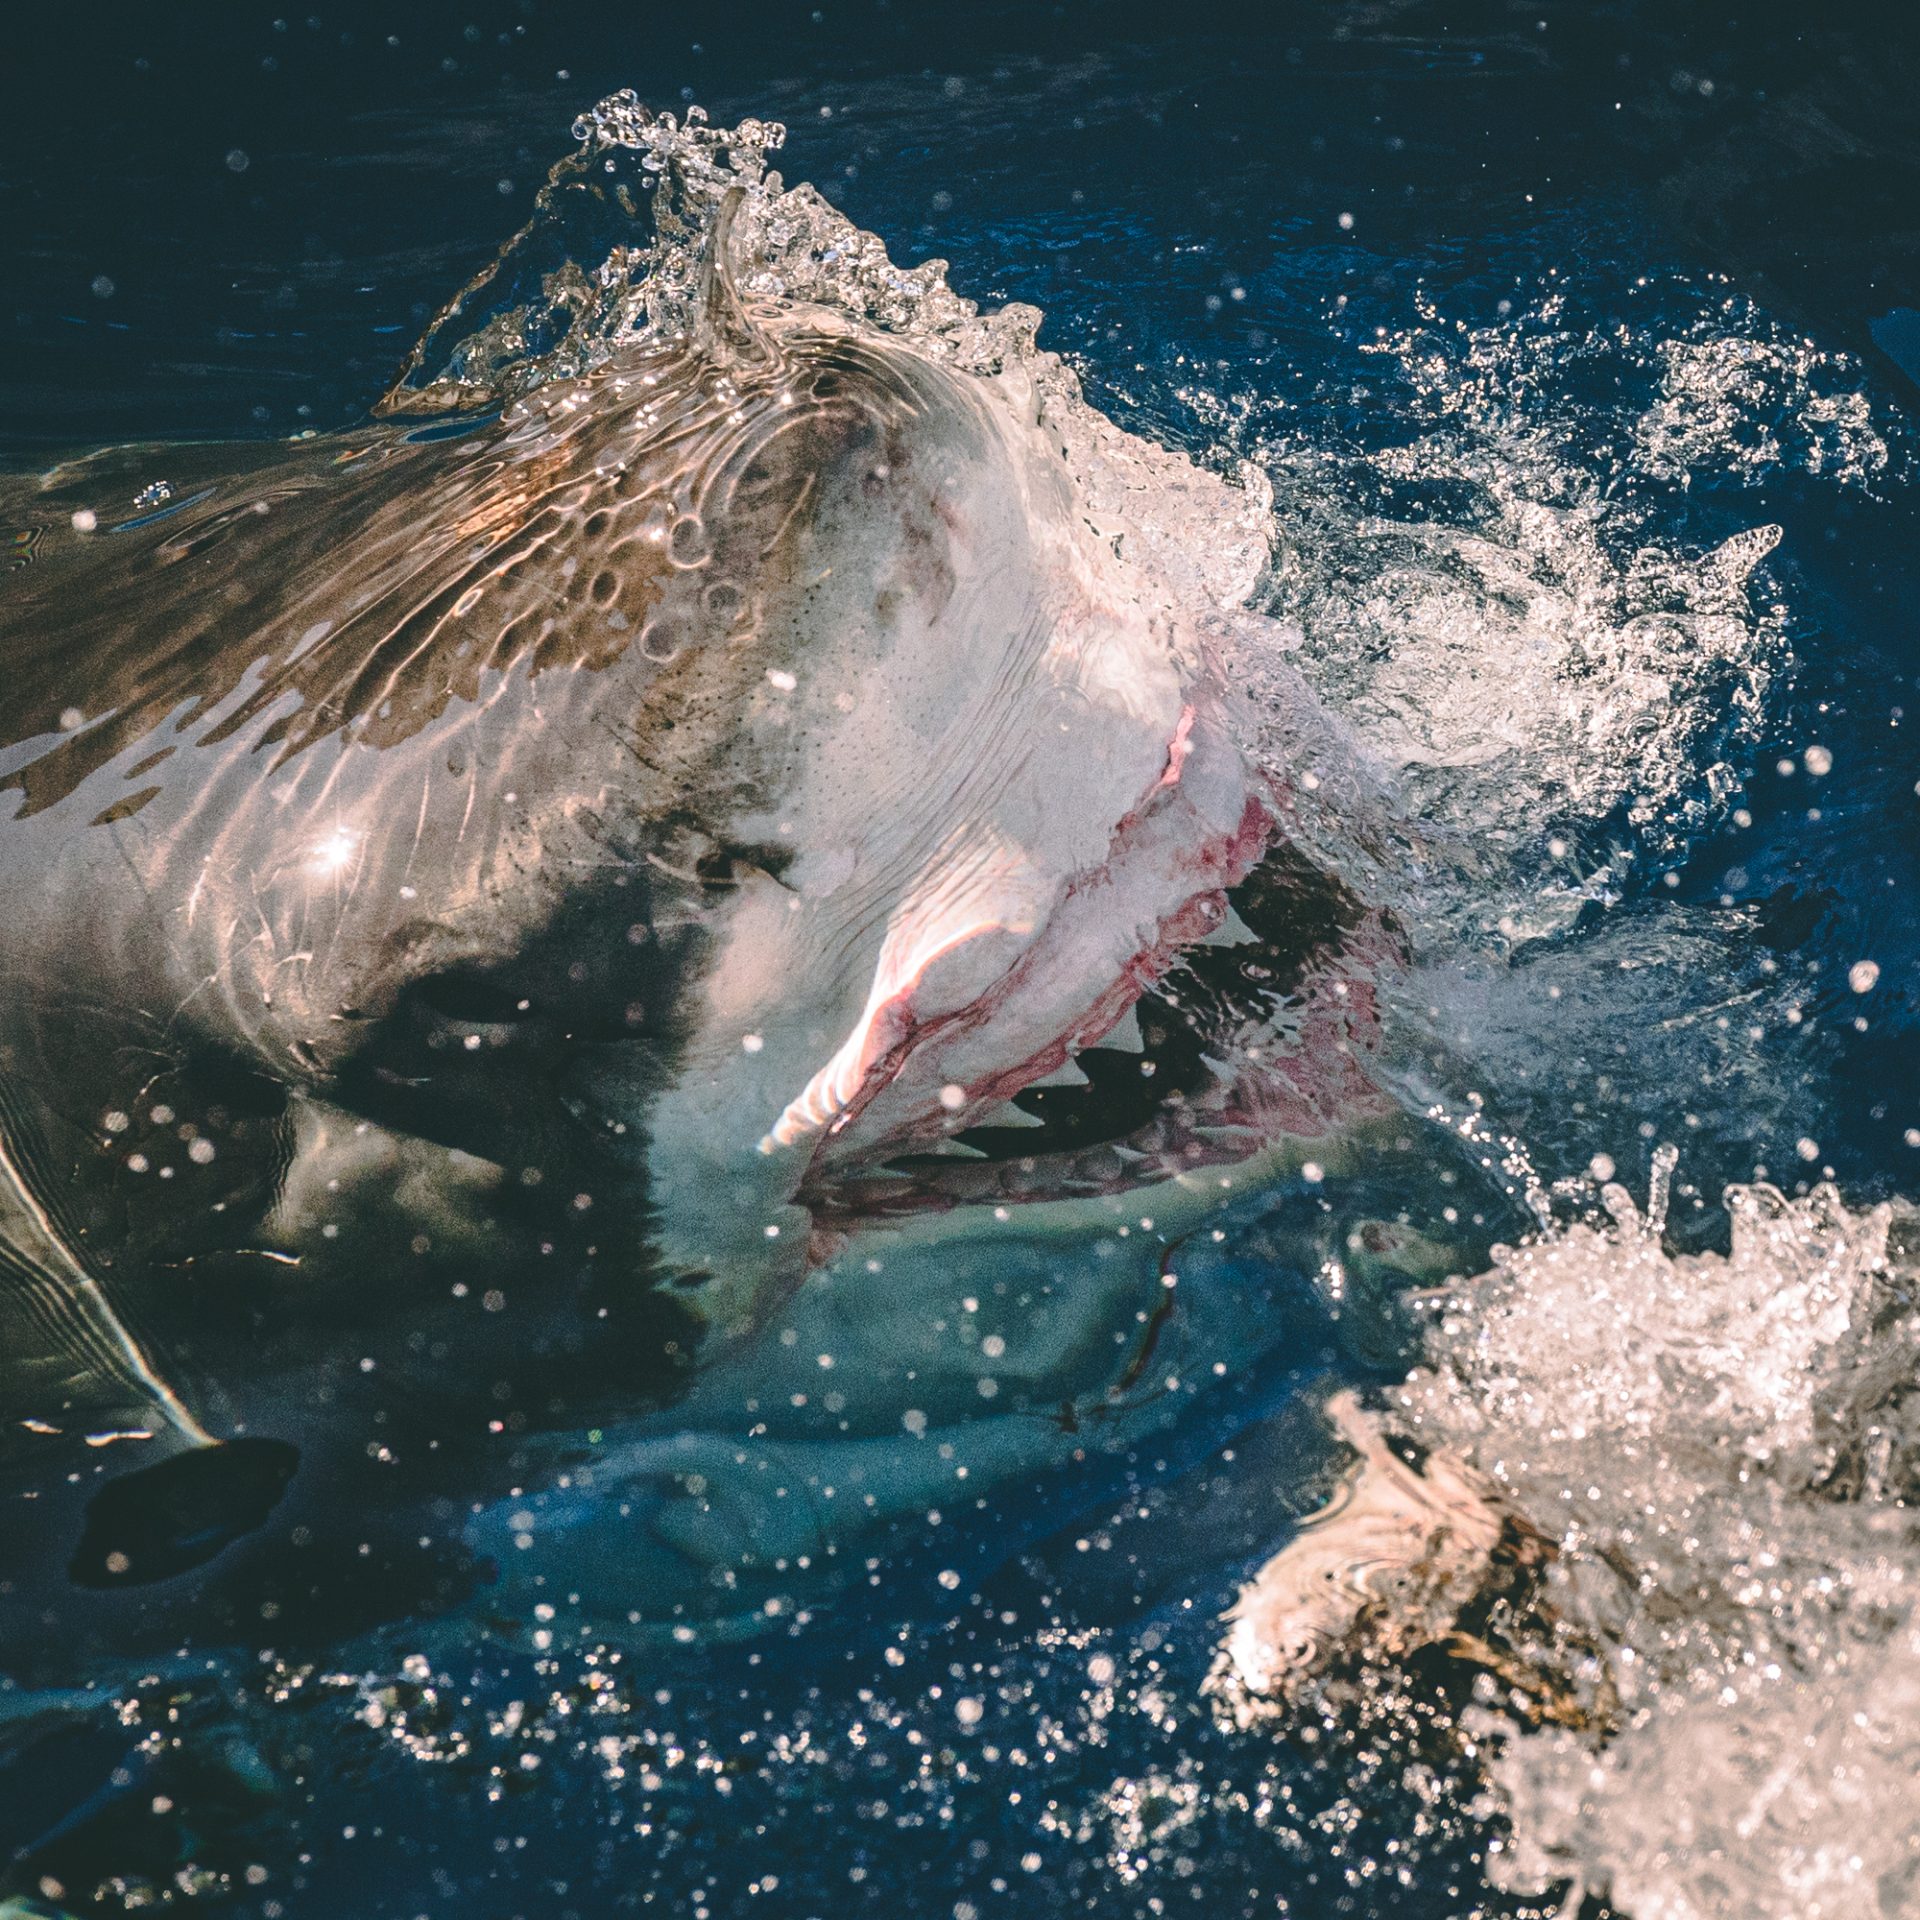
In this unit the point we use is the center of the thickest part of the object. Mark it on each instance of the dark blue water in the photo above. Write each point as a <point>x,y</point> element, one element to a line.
<point>235,223</point>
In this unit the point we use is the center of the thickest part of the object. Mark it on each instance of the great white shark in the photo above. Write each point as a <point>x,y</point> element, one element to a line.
<point>487,914</point>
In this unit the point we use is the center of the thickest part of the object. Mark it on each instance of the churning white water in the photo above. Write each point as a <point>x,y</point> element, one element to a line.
<point>1714,1455</point>
<point>1727,1450</point>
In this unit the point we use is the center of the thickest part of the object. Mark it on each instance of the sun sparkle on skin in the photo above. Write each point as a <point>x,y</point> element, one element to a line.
<point>334,854</point>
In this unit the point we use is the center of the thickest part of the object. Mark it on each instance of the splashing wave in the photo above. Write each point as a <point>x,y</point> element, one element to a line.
<point>644,194</point>
<point>1721,1455</point>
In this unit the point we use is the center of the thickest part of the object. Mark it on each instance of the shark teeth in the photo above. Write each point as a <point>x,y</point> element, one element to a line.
<point>1006,1114</point>
<point>948,1148</point>
<point>1124,1036</point>
<point>1231,932</point>
<point>1068,1073</point>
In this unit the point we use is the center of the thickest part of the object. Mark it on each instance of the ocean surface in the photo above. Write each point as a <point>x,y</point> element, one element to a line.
<point>1567,359</point>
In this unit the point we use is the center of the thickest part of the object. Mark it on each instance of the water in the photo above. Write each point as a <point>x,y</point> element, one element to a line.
<point>1579,490</point>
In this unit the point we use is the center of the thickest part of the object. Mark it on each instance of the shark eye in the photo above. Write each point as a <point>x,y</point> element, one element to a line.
<point>472,1000</point>
<point>728,865</point>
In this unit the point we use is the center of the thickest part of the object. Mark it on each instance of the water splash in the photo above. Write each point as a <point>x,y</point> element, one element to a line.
<point>1511,556</point>
<point>1750,405</point>
<point>1727,1447</point>
<point>1511,629</point>
<point>1722,1455</point>
<point>1478,575</point>
<point>660,202</point>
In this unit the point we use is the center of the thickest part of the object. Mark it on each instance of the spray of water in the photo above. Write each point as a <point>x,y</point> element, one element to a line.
<point>1703,1700</point>
<point>644,195</point>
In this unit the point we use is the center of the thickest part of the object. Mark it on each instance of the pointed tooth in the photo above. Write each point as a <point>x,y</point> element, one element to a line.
<point>1125,1035</point>
<point>1231,932</point>
<point>1067,1074</point>
<point>951,1149</point>
<point>1006,1114</point>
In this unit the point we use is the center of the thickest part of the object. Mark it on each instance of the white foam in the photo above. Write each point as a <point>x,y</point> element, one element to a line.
<point>1728,1449</point>
<point>1483,568</point>
<point>680,182</point>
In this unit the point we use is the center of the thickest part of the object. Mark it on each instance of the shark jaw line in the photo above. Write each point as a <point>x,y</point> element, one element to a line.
<point>888,1028</point>
<point>891,1030</point>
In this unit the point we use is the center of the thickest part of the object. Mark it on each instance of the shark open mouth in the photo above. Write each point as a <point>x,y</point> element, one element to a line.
<point>1251,1027</point>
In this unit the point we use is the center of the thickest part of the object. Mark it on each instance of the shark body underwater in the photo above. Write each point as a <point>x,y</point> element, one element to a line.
<point>495,925</point>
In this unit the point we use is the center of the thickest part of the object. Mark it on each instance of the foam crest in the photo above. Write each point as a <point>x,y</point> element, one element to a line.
<point>1725,1450</point>
<point>630,235</point>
